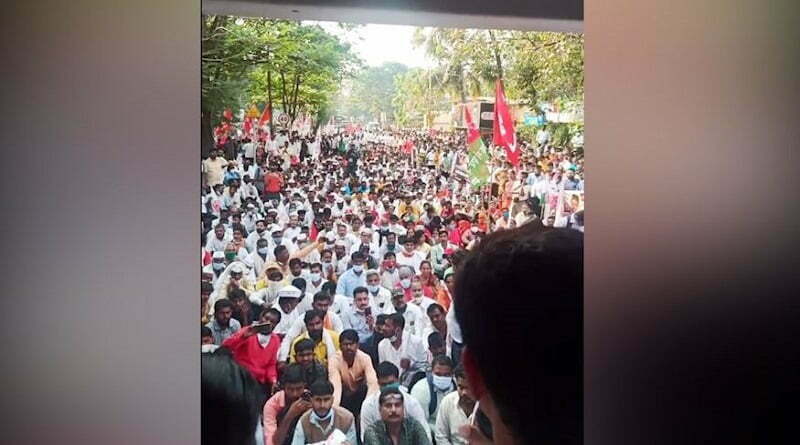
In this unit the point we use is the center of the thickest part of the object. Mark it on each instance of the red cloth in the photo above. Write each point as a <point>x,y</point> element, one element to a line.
<point>273,182</point>
<point>261,362</point>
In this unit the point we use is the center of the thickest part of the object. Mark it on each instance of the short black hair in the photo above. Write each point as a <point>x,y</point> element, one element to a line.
<point>312,314</point>
<point>397,320</point>
<point>350,335</point>
<point>305,344</point>
<point>442,360</point>
<point>388,255</point>
<point>222,303</point>
<point>322,295</point>
<point>293,373</point>
<point>459,372</point>
<point>273,311</point>
<point>205,331</point>
<point>295,261</point>
<point>300,283</point>
<point>206,287</point>
<point>360,290</point>
<point>329,288</point>
<point>381,319</point>
<point>434,306</point>
<point>435,340</point>
<point>386,392</point>
<point>542,318</point>
<point>387,369</point>
<point>279,250</point>
<point>231,401</point>
<point>321,387</point>
<point>357,255</point>
<point>237,294</point>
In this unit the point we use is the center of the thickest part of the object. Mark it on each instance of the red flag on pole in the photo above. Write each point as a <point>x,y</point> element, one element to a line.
<point>264,116</point>
<point>247,127</point>
<point>504,134</point>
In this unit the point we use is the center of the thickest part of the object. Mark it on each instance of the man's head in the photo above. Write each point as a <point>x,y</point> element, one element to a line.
<point>293,382</point>
<point>269,318</point>
<point>223,311</point>
<point>295,267</point>
<point>314,322</point>
<point>398,299</point>
<point>437,315</point>
<point>348,341</point>
<point>358,262</point>
<point>391,406</point>
<point>416,288</point>
<point>239,299</point>
<point>548,406</point>
<point>321,397</point>
<point>288,297</point>
<point>388,375</point>
<point>393,329</point>
<point>304,352</point>
<point>206,336</point>
<point>361,298</point>
<point>322,302</point>
<point>281,254</point>
<point>219,231</point>
<point>205,291</point>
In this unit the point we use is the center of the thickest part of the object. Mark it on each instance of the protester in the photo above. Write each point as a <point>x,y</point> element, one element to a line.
<point>389,377</point>
<point>454,412</point>
<point>323,419</point>
<point>352,374</point>
<point>394,428</point>
<point>255,347</point>
<point>284,408</point>
<point>437,383</point>
<point>343,229</point>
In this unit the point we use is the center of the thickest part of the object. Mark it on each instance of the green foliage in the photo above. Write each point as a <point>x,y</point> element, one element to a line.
<point>300,67</point>
<point>371,92</point>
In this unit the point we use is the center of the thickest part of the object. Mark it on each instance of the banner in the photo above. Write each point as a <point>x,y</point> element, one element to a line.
<point>561,206</point>
<point>478,158</point>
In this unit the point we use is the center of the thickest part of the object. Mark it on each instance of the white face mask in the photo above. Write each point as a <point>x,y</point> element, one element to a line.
<point>315,276</point>
<point>218,266</point>
<point>442,383</point>
<point>406,283</point>
<point>358,269</point>
<point>263,250</point>
<point>373,288</point>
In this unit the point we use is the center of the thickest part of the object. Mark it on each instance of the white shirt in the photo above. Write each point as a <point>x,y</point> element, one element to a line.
<point>382,300</point>
<point>415,319</point>
<point>370,411</point>
<point>421,391</point>
<point>412,261</point>
<point>411,348</point>
<point>449,419</point>
<point>287,320</point>
<point>298,328</point>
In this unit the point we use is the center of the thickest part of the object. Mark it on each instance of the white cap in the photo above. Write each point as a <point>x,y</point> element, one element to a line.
<point>236,268</point>
<point>218,254</point>
<point>289,292</point>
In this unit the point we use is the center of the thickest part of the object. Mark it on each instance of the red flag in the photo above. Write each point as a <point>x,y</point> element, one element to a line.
<point>227,114</point>
<point>247,127</point>
<point>264,116</point>
<point>313,233</point>
<point>408,147</point>
<point>504,134</point>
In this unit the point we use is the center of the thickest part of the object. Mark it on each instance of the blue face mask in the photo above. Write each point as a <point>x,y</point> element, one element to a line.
<point>322,419</point>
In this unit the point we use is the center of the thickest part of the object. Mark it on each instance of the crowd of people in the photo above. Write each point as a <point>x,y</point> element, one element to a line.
<point>329,265</point>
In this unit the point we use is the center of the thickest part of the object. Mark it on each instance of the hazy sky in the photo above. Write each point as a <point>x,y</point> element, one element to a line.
<point>377,44</point>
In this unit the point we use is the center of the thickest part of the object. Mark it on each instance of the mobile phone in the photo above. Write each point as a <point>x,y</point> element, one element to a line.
<point>368,311</point>
<point>306,395</point>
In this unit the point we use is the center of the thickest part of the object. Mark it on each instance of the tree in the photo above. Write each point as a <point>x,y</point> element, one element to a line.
<point>270,62</point>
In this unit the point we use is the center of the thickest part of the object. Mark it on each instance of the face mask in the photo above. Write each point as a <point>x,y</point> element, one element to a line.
<point>373,288</point>
<point>277,240</point>
<point>442,383</point>
<point>218,266</point>
<point>358,269</point>
<point>322,419</point>
<point>406,283</point>
<point>395,385</point>
<point>230,256</point>
<point>315,276</point>
<point>393,338</point>
<point>263,250</point>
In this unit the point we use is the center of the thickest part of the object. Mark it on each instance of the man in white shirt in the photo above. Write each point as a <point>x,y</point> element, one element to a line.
<point>380,296</point>
<point>411,313</point>
<point>402,349</point>
<point>455,410</point>
<point>322,302</point>
<point>389,376</point>
<point>410,256</point>
<point>437,384</point>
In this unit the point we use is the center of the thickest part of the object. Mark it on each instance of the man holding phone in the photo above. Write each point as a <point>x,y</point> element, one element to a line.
<point>255,348</point>
<point>360,316</point>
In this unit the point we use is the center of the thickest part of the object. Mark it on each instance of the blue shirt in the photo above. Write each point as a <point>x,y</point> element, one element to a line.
<point>220,333</point>
<point>352,319</point>
<point>349,281</point>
